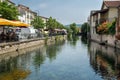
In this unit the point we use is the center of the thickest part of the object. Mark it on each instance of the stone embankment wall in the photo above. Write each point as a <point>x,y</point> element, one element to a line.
<point>7,56</point>
<point>17,46</point>
<point>108,39</point>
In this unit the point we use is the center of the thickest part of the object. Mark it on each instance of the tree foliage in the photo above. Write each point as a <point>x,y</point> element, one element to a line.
<point>38,22</point>
<point>8,11</point>
<point>112,28</point>
<point>49,23</point>
<point>85,28</point>
<point>53,24</point>
<point>73,28</point>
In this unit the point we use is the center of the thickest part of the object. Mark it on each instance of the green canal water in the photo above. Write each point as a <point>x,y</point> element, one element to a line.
<point>75,59</point>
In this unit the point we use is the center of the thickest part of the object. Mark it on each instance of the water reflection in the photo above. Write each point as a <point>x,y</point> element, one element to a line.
<point>53,49</point>
<point>16,74</point>
<point>39,58</point>
<point>84,39</point>
<point>60,61</point>
<point>18,65</point>
<point>105,61</point>
<point>15,65</point>
<point>73,39</point>
<point>49,51</point>
<point>9,70</point>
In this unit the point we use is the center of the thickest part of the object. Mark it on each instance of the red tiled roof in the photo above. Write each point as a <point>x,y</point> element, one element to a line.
<point>112,3</point>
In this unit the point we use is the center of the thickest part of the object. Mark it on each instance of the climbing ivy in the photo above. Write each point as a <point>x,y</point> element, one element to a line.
<point>111,29</point>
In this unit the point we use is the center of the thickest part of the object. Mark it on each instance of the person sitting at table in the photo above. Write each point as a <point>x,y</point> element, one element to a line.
<point>2,36</point>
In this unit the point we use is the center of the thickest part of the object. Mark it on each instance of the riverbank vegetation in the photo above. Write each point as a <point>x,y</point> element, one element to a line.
<point>73,30</point>
<point>85,29</point>
<point>38,23</point>
<point>52,26</point>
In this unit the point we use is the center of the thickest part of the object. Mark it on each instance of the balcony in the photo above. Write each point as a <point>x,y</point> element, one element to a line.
<point>100,21</point>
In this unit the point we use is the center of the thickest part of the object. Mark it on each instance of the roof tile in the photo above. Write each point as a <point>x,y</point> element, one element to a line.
<point>112,3</point>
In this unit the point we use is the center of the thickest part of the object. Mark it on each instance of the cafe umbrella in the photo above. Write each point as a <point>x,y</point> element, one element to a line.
<point>5,22</point>
<point>20,24</point>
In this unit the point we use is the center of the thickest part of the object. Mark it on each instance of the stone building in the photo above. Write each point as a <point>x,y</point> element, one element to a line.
<point>109,12</point>
<point>26,15</point>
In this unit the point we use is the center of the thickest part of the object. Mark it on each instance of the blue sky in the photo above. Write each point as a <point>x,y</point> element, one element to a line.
<point>65,11</point>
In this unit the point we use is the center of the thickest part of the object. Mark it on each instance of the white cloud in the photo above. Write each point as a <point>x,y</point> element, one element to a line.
<point>43,5</point>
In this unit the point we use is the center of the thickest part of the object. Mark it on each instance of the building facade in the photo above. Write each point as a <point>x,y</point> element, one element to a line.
<point>108,13</point>
<point>26,15</point>
<point>45,19</point>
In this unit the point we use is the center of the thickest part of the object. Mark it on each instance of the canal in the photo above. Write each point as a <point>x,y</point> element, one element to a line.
<point>75,59</point>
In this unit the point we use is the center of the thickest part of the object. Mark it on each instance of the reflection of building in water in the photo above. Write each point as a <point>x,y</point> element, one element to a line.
<point>25,59</point>
<point>17,74</point>
<point>105,61</point>
<point>22,59</point>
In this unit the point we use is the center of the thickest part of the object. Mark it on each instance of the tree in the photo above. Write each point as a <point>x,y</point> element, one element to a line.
<point>61,26</point>
<point>73,28</point>
<point>85,28</point>
<point>50,23</point>
<point>53,23</point>
<point>8,11</point>
<point>38,23</point>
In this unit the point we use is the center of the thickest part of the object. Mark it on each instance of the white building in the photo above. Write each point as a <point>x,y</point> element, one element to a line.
<point>44,19</point>
<point>26,15</point>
